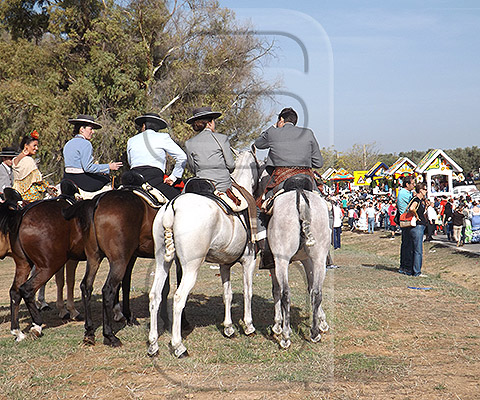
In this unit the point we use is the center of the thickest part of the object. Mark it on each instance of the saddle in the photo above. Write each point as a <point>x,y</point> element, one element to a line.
<point>234,200</point>
<point>132,180</point>
<point>299,181</point>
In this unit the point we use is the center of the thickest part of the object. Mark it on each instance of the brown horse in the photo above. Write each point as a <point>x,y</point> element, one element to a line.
<point>118,225</point>
<point>38,235</point>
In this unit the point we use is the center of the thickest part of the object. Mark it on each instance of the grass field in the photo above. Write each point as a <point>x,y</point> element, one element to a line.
<point>387,341</point>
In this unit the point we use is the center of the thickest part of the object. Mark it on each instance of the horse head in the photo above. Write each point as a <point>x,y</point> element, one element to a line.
<point>248,170</point>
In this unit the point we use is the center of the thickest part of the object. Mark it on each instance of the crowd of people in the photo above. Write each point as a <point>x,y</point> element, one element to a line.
<point>363,212</point>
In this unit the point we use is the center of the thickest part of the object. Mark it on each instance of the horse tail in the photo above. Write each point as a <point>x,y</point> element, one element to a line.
<point>168,219</point>
<point>304,212</point>
<point>83,211</point>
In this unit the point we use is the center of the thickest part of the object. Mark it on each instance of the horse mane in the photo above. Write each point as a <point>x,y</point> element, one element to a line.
<point>247,161</point>
<point>82,211</point>
<point>9,218</point>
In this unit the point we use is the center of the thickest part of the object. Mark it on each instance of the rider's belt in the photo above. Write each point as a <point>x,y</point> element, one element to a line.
<point>73,170</point>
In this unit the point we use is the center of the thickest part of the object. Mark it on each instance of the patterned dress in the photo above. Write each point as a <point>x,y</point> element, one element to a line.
<point>27,180</point>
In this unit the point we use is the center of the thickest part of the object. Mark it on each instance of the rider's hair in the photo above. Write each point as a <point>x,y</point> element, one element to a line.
<point>289,115</point>
<point>153,125</point>
<point>200,124</point>
<point>26,140</point>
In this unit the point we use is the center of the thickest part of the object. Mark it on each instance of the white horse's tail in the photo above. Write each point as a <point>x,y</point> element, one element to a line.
<point>168,218</point>
<point>304,212</point>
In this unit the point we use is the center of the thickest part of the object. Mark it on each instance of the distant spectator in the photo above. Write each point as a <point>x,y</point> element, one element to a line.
<point>457,223</point>
<point>370,211</point>
<point>403,199</point>
<point>431,221</point>
<point>337,225</point>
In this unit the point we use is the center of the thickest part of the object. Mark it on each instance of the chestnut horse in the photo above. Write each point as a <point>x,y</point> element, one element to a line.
<point>118,226</point>
<point>38,235</point>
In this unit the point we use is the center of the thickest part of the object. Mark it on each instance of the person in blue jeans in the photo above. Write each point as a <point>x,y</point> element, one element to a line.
<point>403,199</point>
<point>417,205</point>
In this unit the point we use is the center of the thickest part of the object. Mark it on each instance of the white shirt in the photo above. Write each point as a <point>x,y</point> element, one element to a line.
<point>337,216</point>
<point>370,212</point>
<point>149,148</point>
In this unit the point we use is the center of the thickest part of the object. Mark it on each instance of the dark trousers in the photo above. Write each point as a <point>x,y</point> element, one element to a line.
<point>406,252</point>
<point>337,232</point>
<point>430,230</point>
<point>154,176</point>
<point>87,181</point>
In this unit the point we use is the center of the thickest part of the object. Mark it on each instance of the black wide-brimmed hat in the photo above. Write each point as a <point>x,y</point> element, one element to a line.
<point>8,152</point>
<point>203,113</point>
<point>152,117</point>
<point>86,120</point>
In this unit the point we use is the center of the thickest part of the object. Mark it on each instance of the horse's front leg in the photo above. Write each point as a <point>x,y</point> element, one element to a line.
<point>60,282</point>
<point>93,262</point>
<point>248,269</point>
<point>190,272</point>
<point>228,329</point>
<point>156,299</point>
<point>70,269</point>
<point>126,284</point>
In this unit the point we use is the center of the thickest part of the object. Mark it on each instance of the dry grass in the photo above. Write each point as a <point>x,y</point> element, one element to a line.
<point>386,341</point>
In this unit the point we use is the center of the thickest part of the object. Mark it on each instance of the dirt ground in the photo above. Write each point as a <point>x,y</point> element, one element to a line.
<point>391,337</point>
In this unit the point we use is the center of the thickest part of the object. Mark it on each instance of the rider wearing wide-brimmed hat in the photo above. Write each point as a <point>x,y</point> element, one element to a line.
<point>209,154</point>
<point>6,175</point>
<point>147,154</point>
<point>78,157</point>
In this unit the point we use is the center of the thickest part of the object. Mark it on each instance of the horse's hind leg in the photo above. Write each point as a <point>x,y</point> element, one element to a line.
<point>156,298</point>
<point>28,290</point>
<point>248,269</point>
<point>315,273</point>
<point>70,268</point>
<point>22,270</point>
<point>190,272</point>
<point>281,273</point>
<point>228,329</point>
<point>109,290</point>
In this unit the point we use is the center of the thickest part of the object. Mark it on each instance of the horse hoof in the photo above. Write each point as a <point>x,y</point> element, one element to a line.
<point>250,331</point>
<point>78,318</point>
<point>133,322</point>
<point>316,339</point>
<point>183,355</point>
<point>285,344</point>
<point>66,318</point>
<point>276,330</point>
<point>19,335</point>
<point>251,334</point>
<point>36,331</point>
<point>89,340</point>
<point>229,332</point>
<point>112,341</point>
<point>152,350</point>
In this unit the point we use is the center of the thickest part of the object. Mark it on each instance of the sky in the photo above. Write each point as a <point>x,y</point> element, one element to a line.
<point>404,75</point>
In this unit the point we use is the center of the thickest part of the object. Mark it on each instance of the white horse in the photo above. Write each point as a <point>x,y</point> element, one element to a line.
<point>196,229</point>
<point>299,231</point>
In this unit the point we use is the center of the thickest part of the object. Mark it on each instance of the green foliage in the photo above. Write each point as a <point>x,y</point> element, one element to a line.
<point>117,61</point>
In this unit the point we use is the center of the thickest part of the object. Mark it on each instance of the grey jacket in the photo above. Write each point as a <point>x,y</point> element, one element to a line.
<point>211,159</point>
<point>6,177</point>
<point>290,146</point>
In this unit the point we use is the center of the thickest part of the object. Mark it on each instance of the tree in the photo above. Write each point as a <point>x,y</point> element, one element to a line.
<point>118,61</point>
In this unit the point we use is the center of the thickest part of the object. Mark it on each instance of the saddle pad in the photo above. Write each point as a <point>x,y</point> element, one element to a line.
<point>235,208</point>
<point>151,195</point>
